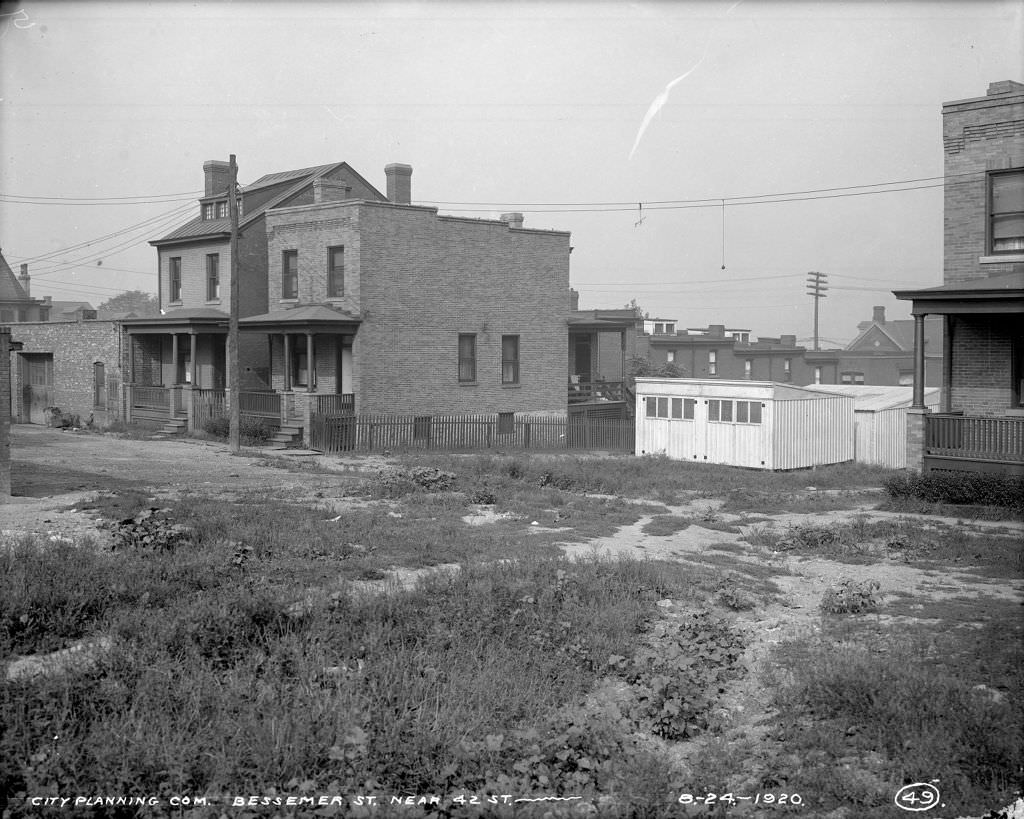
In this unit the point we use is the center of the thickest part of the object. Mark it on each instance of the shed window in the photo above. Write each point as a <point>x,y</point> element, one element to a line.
<point>657,407</point>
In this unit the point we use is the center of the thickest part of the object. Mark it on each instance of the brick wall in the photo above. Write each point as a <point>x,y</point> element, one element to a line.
<point>981,377</point>
<point>978,135</point>
<point>425,279</point>
<point>75,347</point>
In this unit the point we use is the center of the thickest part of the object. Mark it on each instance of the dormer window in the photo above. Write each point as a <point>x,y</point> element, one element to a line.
<point>215,210</point>
<point>208,211</point>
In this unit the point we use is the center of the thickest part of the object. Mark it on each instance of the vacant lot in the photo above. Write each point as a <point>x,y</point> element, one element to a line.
<point>471,634</point>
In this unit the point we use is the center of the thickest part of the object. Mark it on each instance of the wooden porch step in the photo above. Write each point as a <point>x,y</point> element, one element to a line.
<point>175,426</point>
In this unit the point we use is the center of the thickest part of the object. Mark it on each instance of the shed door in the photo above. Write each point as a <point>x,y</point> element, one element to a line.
<point>37,377</point>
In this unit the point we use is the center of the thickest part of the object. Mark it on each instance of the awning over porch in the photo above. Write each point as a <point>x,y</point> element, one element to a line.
<point>199,319</point>
<point>993,295</point>
<point>314,318</point>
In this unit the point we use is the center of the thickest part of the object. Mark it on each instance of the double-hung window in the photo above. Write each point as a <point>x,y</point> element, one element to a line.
<point>467,357</point>
<point>1006,212</point>
<point>290,274</point>
<point>174,278</point>
<point>213,276</point>
<point>510,359</point>
<point>335,272</point>
<point>712,362</point>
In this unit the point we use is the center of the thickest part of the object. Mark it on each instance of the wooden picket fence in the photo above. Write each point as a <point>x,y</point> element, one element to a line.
<point>376,433</point>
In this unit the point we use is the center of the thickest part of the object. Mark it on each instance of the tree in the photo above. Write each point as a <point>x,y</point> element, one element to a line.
<point>636,308</point>
<point>642,367</point>
<point>132,301</point>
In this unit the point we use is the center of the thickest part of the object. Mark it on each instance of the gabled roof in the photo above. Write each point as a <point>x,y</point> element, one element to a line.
<point>10,287</point>
<point>901,333</point>
<point>265,193</point>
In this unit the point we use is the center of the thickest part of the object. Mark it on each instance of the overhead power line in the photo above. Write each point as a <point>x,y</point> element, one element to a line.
<point>158,199</point>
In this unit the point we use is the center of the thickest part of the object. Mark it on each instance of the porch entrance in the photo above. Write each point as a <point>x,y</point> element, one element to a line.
<point>37,393</point>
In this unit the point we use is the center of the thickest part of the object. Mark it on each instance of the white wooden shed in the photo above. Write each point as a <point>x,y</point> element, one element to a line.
<point>880,420</point>
<point>757,424</point>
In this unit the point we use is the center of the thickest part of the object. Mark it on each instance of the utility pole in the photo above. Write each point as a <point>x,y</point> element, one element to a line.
<point>816,287</point>
<point>234,415</point>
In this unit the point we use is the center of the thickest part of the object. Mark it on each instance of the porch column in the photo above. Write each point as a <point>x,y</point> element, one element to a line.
<point>310,364</point>
<point>192,345</point>
<point>918,402</point>
<point>287,363</point>
<point>174,359</point>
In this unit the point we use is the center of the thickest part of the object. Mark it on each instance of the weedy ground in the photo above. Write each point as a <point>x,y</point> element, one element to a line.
<point>254,652</point>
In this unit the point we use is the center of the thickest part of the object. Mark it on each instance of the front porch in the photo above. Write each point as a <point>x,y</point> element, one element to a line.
<point>597,367</point>
<point>971,444</point>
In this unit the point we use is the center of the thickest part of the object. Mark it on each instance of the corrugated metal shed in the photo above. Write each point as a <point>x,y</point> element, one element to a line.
<point>757,424</point>
<point>880,420</point>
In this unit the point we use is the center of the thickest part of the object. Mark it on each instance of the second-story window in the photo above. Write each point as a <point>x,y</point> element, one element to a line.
<point>748,368</point>
<point>510,359</point>
<point>787,368</point>
<point>290,274</point>
<point>1006,212</point>
<point>712,362</point>
<point>208,211</point>
<point>335,272</point>
<point>213,277</point>
<point>174,278</point>
<point>222,210</point>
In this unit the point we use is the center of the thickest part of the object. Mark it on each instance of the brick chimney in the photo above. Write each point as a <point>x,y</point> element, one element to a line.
<point>399,183</point>
<point>1004,87</point>
<point>217,174</point>
<point>716,330</point>
<point>787,341</point>
<point>513,220</point>
<point>24,279</point>
<point>329,190</point>
<point>878,315</point>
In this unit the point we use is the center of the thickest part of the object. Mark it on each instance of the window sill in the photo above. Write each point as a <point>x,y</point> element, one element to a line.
<point>213,301</point>
<point>511,386</point>
<point>289,301</point>
<point>174,303</point>
<point>1006,258</point>
<point>1015,412</point>
<point>468,383</point>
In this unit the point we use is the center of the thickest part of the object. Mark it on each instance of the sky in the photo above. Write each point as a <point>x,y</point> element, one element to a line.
<point>779,137</point>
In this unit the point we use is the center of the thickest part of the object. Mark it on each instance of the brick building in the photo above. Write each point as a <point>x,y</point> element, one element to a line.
<point>351,300</point>
<point>882,354</point>
<point>76,367</point>
<point>981,423</point>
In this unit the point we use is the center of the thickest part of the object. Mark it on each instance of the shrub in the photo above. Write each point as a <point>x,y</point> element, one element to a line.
<point>964,488</point>
<point>219,427</point>
<point>851,597</point>
<point>251,431</point>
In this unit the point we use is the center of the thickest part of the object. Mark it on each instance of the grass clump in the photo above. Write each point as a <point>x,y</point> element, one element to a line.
<point>851,597</point>
<point>860,719</point>
<point>472,681</point>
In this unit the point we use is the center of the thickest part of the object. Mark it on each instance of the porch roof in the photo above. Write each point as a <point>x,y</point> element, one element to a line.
<point>304,318</point>
<point>198,319</point>
<point>589,324</point>
<point>993,294</point>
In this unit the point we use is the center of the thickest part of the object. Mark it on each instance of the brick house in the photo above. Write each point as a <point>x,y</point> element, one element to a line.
<point>15,302</point>
<point>353,301</point>
<point>882,354</point>
<point>980,425</point>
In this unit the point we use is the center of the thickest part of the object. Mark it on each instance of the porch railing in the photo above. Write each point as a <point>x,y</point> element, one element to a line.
<point>153,398</point>
<point>260,404</point>
<point>323,404</point>
<point>988,439</point>
<point>596,391</point>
